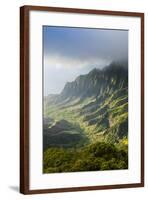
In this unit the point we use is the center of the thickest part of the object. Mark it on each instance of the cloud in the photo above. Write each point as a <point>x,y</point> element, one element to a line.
<point>58,70</point>
<point>83,44</point>
<point>64,62</point>
<point>69,52</point>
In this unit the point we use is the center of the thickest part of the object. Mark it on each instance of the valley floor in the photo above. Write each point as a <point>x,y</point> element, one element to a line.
<point>86,125</point>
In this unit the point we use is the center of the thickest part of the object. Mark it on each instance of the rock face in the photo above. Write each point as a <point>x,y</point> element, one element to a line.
<point>97,102</point>
<point>97,81</point>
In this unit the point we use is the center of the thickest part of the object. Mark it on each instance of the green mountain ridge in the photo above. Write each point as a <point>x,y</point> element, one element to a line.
<point>97,101</point>
<point>92,109</point>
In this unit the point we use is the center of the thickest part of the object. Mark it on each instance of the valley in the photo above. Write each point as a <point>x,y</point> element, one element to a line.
<point>90,113</point>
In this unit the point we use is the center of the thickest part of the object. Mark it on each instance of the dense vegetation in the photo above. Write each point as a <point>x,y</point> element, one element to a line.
<point>86,126</point>
<point>94,157</point>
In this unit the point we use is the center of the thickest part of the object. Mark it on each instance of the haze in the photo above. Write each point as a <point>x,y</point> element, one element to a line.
<point>69,52</point>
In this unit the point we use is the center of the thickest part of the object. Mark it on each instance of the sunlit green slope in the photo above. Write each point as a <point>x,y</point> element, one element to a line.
<point>95,104</point>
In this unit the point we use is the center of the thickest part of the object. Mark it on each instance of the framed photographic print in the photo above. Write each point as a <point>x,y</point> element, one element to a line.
<point>82,99</point>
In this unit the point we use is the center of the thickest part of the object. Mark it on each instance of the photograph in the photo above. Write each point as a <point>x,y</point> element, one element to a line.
<point>85,99</point>
<point>81,99</point>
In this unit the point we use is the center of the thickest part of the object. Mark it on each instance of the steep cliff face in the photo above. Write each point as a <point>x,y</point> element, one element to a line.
<point>97,102</point>
<point>96,82</point>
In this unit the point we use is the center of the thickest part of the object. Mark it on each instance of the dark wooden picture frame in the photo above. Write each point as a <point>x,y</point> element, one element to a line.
<point>24,98</point>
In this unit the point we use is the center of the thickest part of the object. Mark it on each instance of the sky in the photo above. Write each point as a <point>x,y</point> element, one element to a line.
<point>69,52</point>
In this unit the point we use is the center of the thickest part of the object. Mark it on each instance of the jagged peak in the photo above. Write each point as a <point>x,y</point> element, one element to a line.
<point>90,83</point>
<point>116,65</point>
<point>94,70</point>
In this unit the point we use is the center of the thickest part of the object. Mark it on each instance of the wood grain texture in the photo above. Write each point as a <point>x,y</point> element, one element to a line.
<point>24,100</point>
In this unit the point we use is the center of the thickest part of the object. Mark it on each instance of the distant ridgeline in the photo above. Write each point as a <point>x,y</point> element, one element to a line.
<point>93,108</point>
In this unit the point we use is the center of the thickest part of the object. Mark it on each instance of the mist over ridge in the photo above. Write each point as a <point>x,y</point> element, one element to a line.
<point>119,67</point>
<point>70,52</point>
